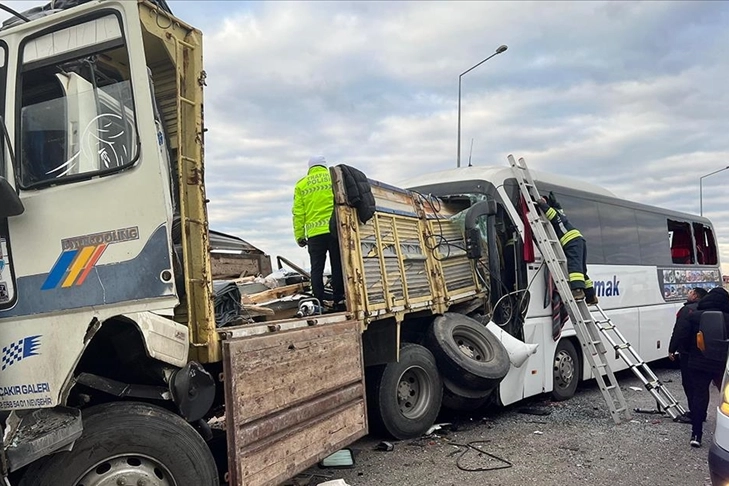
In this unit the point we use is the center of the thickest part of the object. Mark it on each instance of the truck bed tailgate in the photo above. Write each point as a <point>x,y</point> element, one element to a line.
<point>294,394</point>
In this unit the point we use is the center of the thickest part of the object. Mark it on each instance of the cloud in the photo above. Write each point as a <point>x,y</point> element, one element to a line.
<point>627,95</point>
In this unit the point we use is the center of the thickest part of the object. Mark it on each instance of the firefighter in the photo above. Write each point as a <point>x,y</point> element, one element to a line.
<point>312,211</point>
<point>575,249</point>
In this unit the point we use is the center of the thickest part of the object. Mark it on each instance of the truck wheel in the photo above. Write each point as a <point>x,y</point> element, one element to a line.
<point>405,397</point>
<point>566,373</point>
<point>467,353</point>
<point>129,443</point>
<point>461,399</point>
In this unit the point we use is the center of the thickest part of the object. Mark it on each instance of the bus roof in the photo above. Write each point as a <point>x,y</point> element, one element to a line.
<point>497,175</point>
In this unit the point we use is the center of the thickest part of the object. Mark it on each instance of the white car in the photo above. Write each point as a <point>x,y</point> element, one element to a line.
<point>719,451</point>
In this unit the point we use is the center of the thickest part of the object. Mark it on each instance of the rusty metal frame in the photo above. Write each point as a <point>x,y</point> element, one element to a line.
<point>398,213</point>
<point>183,45</point>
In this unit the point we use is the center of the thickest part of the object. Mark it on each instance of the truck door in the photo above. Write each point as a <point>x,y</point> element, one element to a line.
<point>93,240</point>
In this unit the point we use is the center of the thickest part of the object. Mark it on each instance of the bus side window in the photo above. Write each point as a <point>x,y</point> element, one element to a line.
<point>584,215</point>
<point>705,245</point>
<point>679,234</point>
<point>654,246</point>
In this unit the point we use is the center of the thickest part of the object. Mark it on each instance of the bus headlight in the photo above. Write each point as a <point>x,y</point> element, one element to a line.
<point>724,407</point>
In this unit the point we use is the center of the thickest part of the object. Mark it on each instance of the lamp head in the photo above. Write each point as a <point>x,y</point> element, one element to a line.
<point>501,49</point>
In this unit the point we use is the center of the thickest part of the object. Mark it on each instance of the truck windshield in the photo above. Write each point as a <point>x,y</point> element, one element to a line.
<point>77,119</point>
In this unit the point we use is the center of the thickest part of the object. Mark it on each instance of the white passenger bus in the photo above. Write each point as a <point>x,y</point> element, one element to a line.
<point>642,259</point>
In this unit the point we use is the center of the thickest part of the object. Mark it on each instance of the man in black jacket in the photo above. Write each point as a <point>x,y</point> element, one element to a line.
<point>682,348</point>
<point>702,370</point>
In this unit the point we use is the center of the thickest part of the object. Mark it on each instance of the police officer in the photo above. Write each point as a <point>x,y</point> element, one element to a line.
<point>312,210</point>
<point>575,249</point>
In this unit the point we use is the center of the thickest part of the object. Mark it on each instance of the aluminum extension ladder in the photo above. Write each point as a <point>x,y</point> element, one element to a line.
<point>587,327</point>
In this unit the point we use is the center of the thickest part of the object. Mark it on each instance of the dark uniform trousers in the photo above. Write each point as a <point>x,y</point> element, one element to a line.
<point>318,247</point>
<point>576,252</point>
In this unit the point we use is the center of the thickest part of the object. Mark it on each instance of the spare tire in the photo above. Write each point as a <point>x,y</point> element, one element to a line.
<point>461,399</point>
<point>467,353</point>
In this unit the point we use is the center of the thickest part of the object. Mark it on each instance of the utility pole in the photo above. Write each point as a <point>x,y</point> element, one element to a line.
<point>500,49</point>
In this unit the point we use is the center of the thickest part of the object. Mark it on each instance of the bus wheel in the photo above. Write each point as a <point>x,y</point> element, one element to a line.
<point>566,372</point>
<point>467,353</point>
<point>405,397</point>
<point>129,443</point>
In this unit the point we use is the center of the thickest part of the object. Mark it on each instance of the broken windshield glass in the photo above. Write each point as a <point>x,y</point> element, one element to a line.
<point>77,119</point>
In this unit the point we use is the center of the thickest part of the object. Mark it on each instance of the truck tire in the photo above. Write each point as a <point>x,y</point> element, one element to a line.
<point>460,399</point>
<point>404,398</point>
<point>131,443</point>
<point>566,371</point>
<point>467,353</point>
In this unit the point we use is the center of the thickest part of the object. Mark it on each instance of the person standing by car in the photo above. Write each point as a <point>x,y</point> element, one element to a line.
<point>675,347</point>
<point>703,370</point>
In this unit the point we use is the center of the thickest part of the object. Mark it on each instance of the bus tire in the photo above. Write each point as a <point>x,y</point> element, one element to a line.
<point>147,442</point>
<point>467,353</point>
<point>461,399</point>
<point>566,371</point>
<point>404,398</point>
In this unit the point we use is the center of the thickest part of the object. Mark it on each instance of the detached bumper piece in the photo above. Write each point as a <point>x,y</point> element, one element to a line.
<point>41,432</point>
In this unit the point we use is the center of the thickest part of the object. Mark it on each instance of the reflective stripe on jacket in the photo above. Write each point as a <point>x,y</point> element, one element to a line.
<point>562,226</point>
<point>313,203</point>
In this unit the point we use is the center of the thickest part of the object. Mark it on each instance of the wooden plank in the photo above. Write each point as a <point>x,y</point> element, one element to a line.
<point>283,456</point>
<point>256,310</point>
<point>277,427</point>
<point>269,426</point>
<point>273,294</point>
<point>278,370</point>
<point>233,266</point>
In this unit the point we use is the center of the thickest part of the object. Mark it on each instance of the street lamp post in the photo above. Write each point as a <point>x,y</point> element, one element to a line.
<point>500,49</point>
<point>701,188</point>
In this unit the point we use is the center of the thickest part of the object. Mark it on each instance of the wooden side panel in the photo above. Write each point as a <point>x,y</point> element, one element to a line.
<point>292,398</point>
<point>409,257</point>
<point>234,266</point>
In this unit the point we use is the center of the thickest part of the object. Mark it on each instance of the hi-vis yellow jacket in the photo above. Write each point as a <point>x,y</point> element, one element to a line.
<point>313,203</point>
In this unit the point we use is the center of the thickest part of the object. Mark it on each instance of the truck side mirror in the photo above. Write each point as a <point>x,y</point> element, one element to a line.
<point>472,233</point>
<point>10,203</point>
<point>712,335</point>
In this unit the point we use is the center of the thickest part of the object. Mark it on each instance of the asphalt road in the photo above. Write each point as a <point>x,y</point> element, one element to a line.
<point>575,443</point>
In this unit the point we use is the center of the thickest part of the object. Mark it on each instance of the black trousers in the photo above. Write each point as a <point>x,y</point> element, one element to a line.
<point>576,253</point>
<point>319,246</point>
<point>700,383</point>
<point>686,379</point>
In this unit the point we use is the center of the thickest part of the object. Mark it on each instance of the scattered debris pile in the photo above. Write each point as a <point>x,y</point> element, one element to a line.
<point>256,299</point>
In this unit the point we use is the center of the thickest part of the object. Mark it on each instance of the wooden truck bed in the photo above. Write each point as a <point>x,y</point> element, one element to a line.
<point>409,257</point>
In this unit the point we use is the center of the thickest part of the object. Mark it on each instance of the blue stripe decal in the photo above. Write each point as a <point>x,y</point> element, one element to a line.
<point>59,269</point>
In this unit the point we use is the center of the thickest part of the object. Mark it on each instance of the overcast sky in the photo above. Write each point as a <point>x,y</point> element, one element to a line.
<point>630,96</point>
